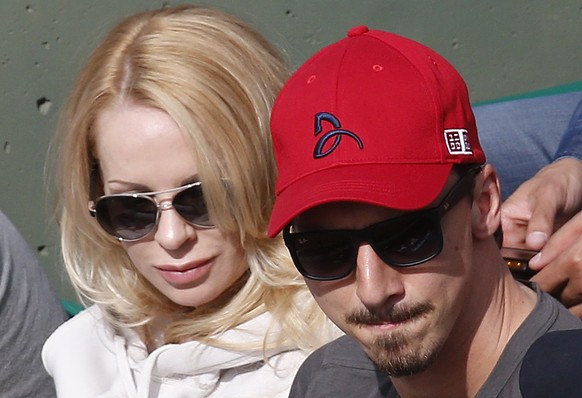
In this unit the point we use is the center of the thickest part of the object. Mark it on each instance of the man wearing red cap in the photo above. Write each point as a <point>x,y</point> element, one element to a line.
<point>390,212</point>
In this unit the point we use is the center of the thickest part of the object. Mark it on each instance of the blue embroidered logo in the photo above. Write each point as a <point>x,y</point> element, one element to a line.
<point>336,134</point>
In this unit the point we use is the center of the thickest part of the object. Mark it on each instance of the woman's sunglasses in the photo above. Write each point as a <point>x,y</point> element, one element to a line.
<point>131,217</point>
<point>403,241</point>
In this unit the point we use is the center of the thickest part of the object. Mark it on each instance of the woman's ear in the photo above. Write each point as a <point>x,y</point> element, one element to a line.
<point>486,208</point>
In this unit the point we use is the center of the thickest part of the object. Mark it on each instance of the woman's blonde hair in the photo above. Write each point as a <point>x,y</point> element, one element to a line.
<point>217,78</point>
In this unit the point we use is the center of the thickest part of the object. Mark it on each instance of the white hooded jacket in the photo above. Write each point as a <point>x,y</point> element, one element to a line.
<point>86,359</point>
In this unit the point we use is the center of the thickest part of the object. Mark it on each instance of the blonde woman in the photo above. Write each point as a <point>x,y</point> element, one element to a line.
<point>165,184</point>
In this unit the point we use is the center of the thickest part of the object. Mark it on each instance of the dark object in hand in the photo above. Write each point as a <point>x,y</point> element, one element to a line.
<point>518,261</point>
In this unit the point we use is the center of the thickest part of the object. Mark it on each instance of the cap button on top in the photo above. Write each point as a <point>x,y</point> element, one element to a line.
<point>357,31</point>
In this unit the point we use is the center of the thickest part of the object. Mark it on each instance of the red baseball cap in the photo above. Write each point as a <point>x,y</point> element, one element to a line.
<point>374,118</point>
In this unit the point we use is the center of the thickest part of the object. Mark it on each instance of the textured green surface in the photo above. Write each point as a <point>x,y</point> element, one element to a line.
<point>561,89</point>
<point>501,47</point>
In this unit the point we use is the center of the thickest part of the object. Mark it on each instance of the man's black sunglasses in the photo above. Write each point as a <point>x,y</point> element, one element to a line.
<point>403,241</point>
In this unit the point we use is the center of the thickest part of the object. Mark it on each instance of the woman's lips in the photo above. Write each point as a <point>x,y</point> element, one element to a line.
<point>184,274</point>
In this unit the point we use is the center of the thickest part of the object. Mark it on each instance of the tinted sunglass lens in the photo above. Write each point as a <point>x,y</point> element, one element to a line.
<point>324,256</point>
<point>126,217</point>
<point>409,241</point>
<point>191,206</point>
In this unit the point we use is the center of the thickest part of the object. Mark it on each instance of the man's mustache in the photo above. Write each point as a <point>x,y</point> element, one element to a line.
<point>392,315</point>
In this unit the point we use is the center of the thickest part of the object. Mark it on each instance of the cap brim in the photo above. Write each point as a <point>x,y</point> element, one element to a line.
<point>399,186</point>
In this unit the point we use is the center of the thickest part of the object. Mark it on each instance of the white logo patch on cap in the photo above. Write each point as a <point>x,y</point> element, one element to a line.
<point>457,142</point>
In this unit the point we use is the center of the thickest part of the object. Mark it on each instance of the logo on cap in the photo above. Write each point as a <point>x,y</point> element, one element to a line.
<point>337,133</point>
<point>458,142</point>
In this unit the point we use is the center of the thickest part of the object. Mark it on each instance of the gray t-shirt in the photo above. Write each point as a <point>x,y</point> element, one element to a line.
<point>29,313</point>
<point>342,369</point>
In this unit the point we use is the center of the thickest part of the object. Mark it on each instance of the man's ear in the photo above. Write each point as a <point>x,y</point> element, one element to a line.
<point>486,208</point>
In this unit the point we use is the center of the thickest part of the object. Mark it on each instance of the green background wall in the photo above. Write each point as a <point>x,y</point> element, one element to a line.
<point>501,47</point>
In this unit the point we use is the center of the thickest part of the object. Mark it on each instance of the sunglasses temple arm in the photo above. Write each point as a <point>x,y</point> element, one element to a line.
<point>458,191</point>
